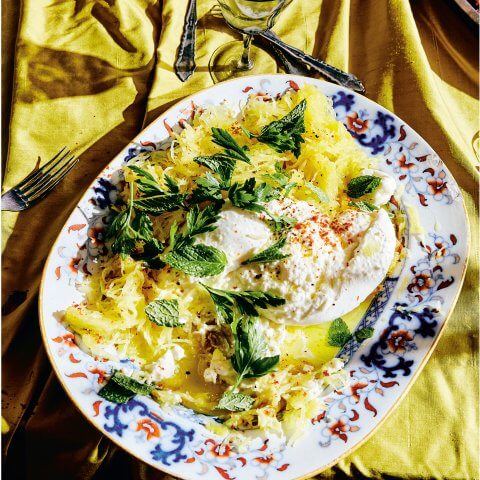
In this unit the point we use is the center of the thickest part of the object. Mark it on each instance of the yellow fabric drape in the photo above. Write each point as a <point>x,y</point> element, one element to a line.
<point>90,73</point>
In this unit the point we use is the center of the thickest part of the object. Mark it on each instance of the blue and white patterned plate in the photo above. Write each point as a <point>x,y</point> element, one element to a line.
<point>408,316</point>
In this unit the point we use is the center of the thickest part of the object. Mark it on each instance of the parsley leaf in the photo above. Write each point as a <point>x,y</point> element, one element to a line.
<point>245,302</point>
<point>146,182</point>
<point>364,206</point>
<point>286,133</point>
<point>319,193</point>
<point>270,254</point>
<point>359,186</point>
<point>232,149</point>
<point>197,260</point>
<point>121,388</point>
<point>363,334</point>
<point>249,196</point>
<point>163,313</point>
<point>338,333</point>
<point>235,401</point>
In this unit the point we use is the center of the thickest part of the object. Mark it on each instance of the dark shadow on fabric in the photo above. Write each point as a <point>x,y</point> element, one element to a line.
<point>454,34</point>
<point>326,23</point>
<point>58,73</point>
<point>112,26</point>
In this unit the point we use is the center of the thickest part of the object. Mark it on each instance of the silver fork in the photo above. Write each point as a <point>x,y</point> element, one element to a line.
<point>39,183</point>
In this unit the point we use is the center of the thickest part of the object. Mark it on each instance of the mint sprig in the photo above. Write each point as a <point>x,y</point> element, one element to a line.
<point>286,133</point>
<point>339,333</point>
<point>121,388</point>
<point>230,304</point>
<point>270,254</point>
<point>163,313</point>
<point>359,186</point>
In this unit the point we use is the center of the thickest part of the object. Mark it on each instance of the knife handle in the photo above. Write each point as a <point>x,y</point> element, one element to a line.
<point>335,74</point>
<point>185,63</point>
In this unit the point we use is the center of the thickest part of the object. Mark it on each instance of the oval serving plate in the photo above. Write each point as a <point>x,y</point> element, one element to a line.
<point>408,316</point>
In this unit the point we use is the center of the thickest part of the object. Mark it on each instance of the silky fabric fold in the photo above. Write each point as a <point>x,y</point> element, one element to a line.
<point>90,74</point>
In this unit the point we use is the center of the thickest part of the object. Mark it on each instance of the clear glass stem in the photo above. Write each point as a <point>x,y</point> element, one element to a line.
<point>245,63</point>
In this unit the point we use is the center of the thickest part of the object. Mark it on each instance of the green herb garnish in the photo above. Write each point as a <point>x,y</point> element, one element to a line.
<point>229,302</point>
<point>249,196</point>
<point>235,401</point>
<point>359,186</point>
<point>339,333</point>
<point>286,133</point>
<point>223,164</point>
<point>249,361</point>
<point>281,177</point>
<point>121,388</point>
<point>362,334</point>
<point>163,313</point>
<point>364,206</point>
<point>197,260</point>
<point>270,254</point>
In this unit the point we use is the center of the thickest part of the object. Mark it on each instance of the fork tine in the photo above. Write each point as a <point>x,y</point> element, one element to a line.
<point>45,177</point>
<point>43,170</point>
<point>52,181</point>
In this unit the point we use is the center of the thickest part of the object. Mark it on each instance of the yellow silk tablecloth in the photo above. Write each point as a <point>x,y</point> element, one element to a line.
<point>89,74</point>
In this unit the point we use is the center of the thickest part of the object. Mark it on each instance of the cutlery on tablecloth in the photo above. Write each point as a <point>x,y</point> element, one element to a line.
<point>39,183</point>
<point>185,63</point>
<point>335,74</point>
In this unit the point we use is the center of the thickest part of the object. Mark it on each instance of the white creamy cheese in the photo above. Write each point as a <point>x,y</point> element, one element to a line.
<point>333,265</point>
<point>165,366</point>
<point>239,234</point>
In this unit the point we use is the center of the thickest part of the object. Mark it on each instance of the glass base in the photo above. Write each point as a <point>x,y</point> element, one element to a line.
<point>225,62</point>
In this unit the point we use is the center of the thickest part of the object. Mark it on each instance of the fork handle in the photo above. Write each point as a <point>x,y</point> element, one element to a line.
<point>335,74</point>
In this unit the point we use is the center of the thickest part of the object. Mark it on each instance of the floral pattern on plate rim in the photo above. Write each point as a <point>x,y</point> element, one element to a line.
<point>407,315</point>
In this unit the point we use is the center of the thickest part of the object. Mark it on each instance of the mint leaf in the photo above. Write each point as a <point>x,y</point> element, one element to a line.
<point>235,402</point>
<point>146,183</point>
<point>364,206</point>
<point>319,193</point>
<point>201,221</point>
<point>359,186</point>
<point>197,260</point>
<point>158,204</point>
<point>270,254</point>
<point>208,188</point>
<point>338,333</point>
<point>246,302</point>
<point>222,165</point>
<point>172,185</point>
<point>163,313</point>
<point>363,334</point>
<point>232,149</point>
<point>280,223</point>
<point>286,133</point>
<point>120,388</point>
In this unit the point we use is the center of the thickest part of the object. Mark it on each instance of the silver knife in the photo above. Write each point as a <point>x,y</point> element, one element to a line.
<point>335,74</point>
<point>185,63</point>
